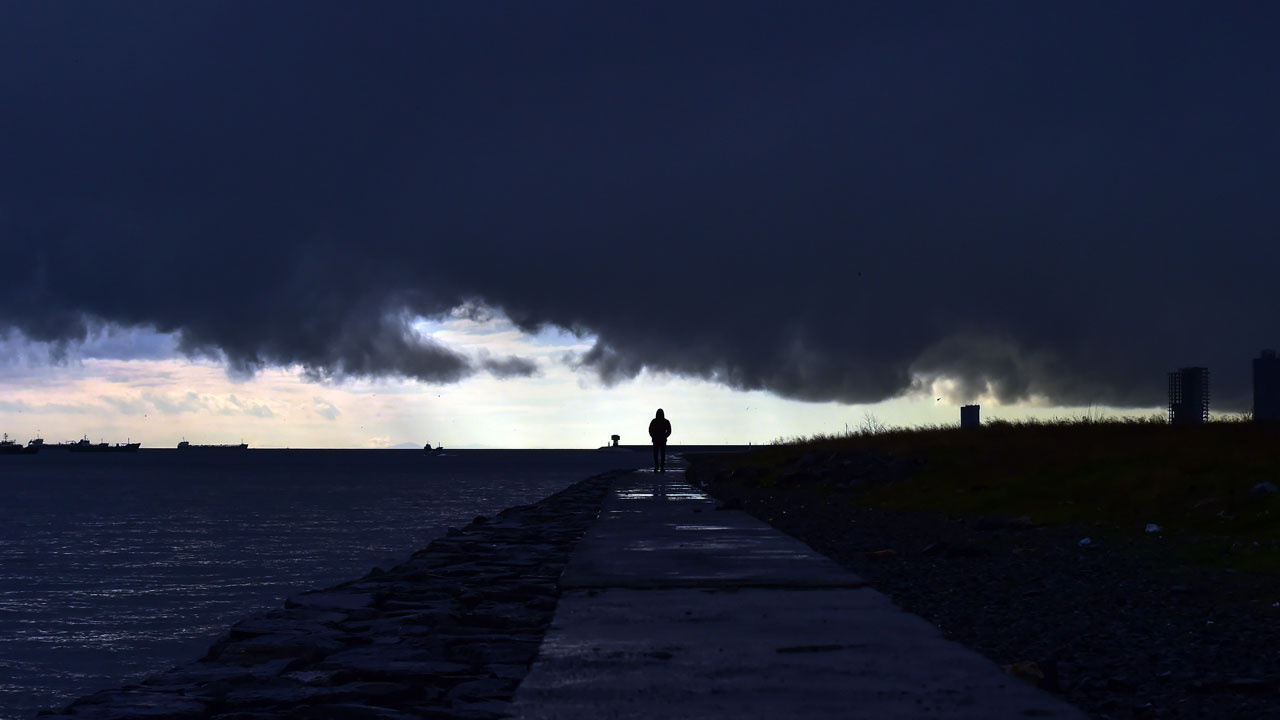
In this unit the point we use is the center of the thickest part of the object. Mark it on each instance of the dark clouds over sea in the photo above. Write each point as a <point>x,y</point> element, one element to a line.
<point>827,201</point>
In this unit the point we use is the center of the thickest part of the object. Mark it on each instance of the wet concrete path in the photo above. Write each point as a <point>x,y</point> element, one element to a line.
<point>672,608</point>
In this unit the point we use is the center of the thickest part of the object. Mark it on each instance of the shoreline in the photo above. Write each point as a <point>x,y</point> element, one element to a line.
<point>453,631</point>
<point>450,632</point>
<point>1114,627</point>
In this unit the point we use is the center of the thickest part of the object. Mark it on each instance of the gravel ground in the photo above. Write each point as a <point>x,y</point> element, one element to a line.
<point>1113,627</point>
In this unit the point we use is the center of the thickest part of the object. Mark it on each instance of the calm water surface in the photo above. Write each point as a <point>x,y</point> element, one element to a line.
<point>116,566</point>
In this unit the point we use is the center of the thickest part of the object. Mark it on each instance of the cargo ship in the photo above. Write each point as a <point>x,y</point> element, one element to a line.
<point>184,445</point>
<point>85,446</point>
<point>9,447</point>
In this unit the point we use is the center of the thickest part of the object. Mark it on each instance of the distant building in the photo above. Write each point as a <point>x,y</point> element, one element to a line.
<point>969,416</point>
<point>1189,396</point>
<point>1266,387</point>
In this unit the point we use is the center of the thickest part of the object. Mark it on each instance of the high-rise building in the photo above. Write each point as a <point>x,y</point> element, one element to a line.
<point>969,416</point>
<point>1189,396</point>
<point>1266,387</point>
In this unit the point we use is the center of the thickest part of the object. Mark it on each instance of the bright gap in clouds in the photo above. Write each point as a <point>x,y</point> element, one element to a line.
<point>133,384</point>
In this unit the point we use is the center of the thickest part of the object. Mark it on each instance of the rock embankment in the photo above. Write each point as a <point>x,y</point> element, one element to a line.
<point>448,634</point>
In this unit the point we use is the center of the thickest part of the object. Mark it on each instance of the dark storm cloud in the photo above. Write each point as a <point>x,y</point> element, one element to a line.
<point>827,202</point>
<point>104,342</point>
<point>363,346</point>
<point>510,366</point>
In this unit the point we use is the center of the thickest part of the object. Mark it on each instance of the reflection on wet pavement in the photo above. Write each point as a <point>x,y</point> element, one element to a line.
<point>652,530</point>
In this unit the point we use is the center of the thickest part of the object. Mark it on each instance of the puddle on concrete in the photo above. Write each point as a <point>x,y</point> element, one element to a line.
<point>651,495</point>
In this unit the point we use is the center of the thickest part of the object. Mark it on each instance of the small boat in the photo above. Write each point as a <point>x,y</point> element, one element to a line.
<point>85,446</point>
<point>9,447</point>
<point>433,451</point>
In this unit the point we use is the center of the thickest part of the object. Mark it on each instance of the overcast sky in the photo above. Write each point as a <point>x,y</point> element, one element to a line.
<point>553,216</point>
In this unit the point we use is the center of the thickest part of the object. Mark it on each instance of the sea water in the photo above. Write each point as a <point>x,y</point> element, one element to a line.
<point>116,566</point>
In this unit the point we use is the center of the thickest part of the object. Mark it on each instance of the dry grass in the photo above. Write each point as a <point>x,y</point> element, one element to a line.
<point>1119,475</point>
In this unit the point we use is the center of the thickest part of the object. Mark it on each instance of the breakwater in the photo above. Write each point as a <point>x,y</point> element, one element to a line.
<point>448,633</point>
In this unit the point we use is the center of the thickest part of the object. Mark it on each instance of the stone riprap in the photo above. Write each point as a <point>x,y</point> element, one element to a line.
<point>448,634</point>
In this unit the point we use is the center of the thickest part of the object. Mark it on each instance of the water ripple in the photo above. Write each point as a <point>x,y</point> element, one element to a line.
<point>114,567</point>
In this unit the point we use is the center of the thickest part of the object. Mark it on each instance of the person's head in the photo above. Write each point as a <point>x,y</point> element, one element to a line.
<point>659,415</point>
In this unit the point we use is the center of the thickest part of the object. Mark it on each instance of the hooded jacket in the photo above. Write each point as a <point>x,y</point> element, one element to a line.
<point>659,428</point>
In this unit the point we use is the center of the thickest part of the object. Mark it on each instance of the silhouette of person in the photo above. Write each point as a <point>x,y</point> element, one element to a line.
<point>659,431</point>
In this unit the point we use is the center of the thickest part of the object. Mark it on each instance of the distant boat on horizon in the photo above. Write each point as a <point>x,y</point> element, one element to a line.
<point>9,447</point>
<point>184,445</point>
<point>433,451</point>
<point>83,445</point>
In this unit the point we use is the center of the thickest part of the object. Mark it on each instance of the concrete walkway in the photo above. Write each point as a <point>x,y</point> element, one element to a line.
<point>673,609</point>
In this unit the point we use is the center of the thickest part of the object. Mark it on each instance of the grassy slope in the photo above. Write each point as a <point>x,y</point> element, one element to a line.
<point>1194,482</point>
